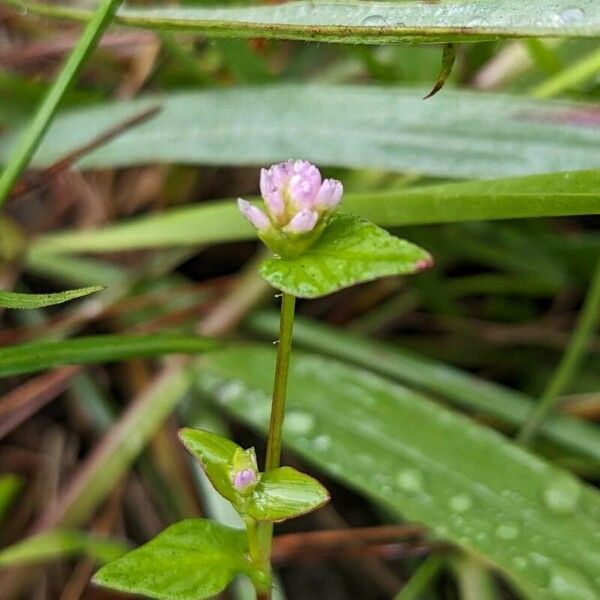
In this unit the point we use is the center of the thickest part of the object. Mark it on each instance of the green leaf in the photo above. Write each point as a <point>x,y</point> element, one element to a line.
<point>359,22</point>
<point>468,484</point>
<point>435,377</point>
<point>60,543</point>
<point>350,251</point>
<point>460,134</point>
<point>37,356</point>
<point>285,493</point>
<point>190,560</point>
<point>215,454</point>
<point>556,194</point>
<point>17,300</point>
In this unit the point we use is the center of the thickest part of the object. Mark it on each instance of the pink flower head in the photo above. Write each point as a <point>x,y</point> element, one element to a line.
<point>296,198</point>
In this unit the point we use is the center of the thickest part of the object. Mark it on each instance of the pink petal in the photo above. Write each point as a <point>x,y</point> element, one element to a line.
<point>330,194</point>
<point>272,189</point>
<point>302,222</point>
<point>256,216</point>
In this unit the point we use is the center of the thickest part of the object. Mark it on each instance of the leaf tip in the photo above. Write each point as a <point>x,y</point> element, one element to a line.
<point>424,264</point>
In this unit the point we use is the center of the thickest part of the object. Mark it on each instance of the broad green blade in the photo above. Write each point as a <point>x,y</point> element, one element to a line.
<point>468,484</point>
<point>349,251</point>
<point>555,194</point>
<point>18,300</point>
<point>190,560</point>
<point>60,543</point>
<point>459,134</point>
<point>461,388</point>
<point>37,356</point>
<point>368,22</point>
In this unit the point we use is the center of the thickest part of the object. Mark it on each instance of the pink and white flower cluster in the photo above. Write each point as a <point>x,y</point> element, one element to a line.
<point>296,199</point>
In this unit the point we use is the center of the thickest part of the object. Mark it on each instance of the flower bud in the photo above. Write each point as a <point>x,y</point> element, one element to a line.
<point>244,472</point>
<point>297,204</point>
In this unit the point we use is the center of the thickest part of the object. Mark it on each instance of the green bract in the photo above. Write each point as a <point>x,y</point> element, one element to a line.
<point>351,250</point>
<point>191,560</point>
<point>281,494</point>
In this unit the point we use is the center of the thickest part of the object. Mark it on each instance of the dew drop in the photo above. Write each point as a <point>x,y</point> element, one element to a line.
<point>410,480</point>
<point>562,494</point>
<point>460,503</point>
<point>567,585</point>
<point>321,443</point>
<point>571,15</point>
<point>298,422</point>
<point>520,562</point>
<point>507,531</point>
<point>375,21</point>
<point>229,392</point>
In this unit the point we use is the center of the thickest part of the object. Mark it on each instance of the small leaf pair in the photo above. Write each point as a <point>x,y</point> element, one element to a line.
<point>277,495</point>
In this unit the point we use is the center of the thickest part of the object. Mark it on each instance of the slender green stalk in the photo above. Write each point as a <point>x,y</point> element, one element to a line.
<point>37,128</point>
<point>284,349</point>
<point>275,435</point>
<point>587,323</point>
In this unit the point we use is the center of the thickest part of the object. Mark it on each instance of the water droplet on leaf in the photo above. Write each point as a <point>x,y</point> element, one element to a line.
<point>375,21</point>
<point>567,585</point>
<point>298,422</point>
<point>507,531</point>
<point>460,503</point>
<point>410,480</point>
<point>562,494</point>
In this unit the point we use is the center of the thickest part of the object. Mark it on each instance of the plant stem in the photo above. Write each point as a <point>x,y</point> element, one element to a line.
<point>284,348</point>
<point>35,132</point>
<point>588,320</point>
<point>275,435</point>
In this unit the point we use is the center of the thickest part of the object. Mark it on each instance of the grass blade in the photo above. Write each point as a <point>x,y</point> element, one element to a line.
<point>19,160</point>
<point>38,356</point>
<point>463,389</point>
<point>60,543</point>
<point>459,134</point>
<point>554,194</point>
<point>18,300</point>
<point>356,22</point>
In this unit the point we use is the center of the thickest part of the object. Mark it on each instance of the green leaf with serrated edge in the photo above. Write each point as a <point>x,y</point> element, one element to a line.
<point>285,493</point>
<point>471,486</point>
<point>215,453</point>
<point>351,250</point>
<point>37,356</point>
<point>18,300</point>
<point>191,560</point>
<point>60,543</point>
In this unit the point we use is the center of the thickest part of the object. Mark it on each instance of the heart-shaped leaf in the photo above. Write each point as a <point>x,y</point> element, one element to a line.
<point>215,453</point>
<point>190,560</point>
<point>18,300</point>
<point>285,493</point>
<point>350,251</point>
